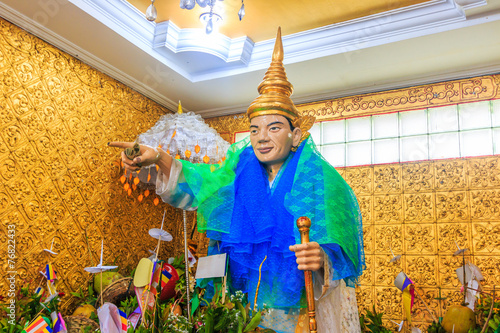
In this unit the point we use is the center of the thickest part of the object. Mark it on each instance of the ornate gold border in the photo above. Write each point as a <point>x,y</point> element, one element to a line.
<point>431,95</point>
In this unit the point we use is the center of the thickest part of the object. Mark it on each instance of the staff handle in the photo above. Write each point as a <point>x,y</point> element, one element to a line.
<point>304,223</point>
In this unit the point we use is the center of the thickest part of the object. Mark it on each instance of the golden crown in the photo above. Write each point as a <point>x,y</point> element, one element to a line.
<point>275,91</point>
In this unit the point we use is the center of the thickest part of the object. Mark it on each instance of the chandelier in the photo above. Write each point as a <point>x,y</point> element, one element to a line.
<point>209,19</point>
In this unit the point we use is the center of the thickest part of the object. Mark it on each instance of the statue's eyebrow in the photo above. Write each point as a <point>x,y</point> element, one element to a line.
<point>274,123</point>
<point>268,125</point>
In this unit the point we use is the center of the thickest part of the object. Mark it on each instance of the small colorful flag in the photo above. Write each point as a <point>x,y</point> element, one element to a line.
<point>155,281</point>
<point>134,317</point>
<point>51,287</point>
<point>50,273</point>
<point>58,324</point>
<point>405,284</point>
<point>39,325</point>
<point>165,277</point>
<point>39,291</point>
<point>123,320</point>
<point>191,259</point>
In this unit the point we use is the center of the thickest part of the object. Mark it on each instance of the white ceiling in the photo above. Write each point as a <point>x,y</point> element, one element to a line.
<point>214,75</point>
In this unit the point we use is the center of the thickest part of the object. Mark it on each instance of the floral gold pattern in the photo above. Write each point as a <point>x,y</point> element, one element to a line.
<point>58,179</point>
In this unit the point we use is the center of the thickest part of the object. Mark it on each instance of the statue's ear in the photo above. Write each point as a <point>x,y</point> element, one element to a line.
<point>296,136</point>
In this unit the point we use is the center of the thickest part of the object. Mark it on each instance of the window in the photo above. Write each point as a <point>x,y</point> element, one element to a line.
<point>471,129</point>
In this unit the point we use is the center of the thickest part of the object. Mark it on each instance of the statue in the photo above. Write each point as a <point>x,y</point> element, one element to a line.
<point>248,206</point>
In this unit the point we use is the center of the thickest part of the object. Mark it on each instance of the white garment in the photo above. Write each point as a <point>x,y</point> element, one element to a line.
<point>336,307</point>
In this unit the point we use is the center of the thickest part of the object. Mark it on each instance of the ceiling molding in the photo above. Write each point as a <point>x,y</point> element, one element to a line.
<point>168,35</point>
<point>164,41</point>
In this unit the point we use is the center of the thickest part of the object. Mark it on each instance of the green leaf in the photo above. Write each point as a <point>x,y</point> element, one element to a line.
<point>242,310</point>
<point>254,322</point>
<point>209,323</point>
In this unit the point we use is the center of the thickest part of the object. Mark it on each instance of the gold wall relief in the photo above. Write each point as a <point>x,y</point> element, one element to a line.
<point>487,238</point>
<point>485,204</point>
<point>387,178</point>
<point>388,208</point>
<point>417,178</point>
<point>365,204</point>
<point>58,179</point>
<point>419,207</point>
<point>452,206</point>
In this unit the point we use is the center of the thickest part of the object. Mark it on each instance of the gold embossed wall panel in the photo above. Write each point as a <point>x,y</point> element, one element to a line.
<point>422,210</point>
<point>58,178</point>
<point>418,210</point>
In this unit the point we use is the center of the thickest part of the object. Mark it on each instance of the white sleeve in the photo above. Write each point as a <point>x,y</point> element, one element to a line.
<point>167,187</point>
<point>323,279</point>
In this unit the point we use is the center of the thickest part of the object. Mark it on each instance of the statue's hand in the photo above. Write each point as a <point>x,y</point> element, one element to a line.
<point>309,256</point>
<point>144,157</point>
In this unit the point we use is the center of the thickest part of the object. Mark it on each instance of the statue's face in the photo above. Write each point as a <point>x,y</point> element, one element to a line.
<point>272,138</point>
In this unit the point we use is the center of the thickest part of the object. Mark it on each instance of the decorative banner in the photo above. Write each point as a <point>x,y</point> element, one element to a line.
<point>123,320</point>
<point>39,291</point>
<point>464,270</point>
<point>39,325</point>
<point>472,277</point>
<point>58,324</point>
<point>403,283</point>
<point>50,273</point>
<point>143,294</point>
<point>134,317</point>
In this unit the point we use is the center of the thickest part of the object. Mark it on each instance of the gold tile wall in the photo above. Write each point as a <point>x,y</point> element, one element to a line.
<point>58,178</point>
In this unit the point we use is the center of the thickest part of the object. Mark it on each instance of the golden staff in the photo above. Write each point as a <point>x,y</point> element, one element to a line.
<point>304,223</point>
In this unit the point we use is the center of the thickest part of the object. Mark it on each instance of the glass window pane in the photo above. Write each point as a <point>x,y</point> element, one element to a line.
<point>414,148</point>
<point>444,145</point>
<point>334,154</point>
<point>496,141</point>
<point>334,131</point>
<point>476,143</point>
<point>495,108</point>
<point>359,153</point>
<point>385,126</point>
<point>240,136</point>
<point>413,122</point>
<point>385,151</point>
<point>358,128</point>
<point>474,115</point>
<point>443,119</point>
<point>316,133</point>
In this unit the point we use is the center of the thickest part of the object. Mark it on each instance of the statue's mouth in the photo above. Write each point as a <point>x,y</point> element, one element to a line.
<point>265,150</point>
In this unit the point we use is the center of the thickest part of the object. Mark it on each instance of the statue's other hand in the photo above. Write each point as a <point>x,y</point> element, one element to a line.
<point>309,256</point>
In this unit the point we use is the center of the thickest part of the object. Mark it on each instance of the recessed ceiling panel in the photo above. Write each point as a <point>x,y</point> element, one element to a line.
<point>263,16</point>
